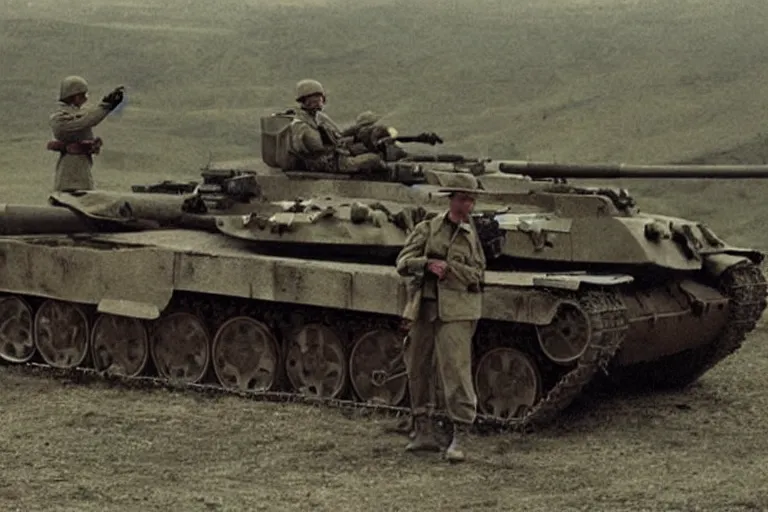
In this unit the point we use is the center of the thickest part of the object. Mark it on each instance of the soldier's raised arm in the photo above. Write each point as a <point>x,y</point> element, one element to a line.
<point>69,121</point>
<point>65,123</point>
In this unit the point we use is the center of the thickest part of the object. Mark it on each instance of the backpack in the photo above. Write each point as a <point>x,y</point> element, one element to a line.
<point>276,142</point>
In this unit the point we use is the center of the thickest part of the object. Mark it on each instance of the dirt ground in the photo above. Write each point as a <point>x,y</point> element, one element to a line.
<point>586,80</point>
<point>77,447</point>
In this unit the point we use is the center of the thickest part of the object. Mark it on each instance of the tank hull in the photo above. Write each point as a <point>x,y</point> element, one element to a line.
<point>213,287</point>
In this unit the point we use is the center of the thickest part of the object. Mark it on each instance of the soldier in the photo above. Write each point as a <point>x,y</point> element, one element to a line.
<point>445,261</point>
<point>317,141</point>
<point>71,125</point>
<point>369,135</point>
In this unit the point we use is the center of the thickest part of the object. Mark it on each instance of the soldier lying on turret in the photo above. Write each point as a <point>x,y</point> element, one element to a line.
<point>369,135</point>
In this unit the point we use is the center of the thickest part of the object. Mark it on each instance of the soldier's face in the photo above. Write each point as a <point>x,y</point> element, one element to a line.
<point>80,99</point>
<point>462,205</point>
<point>314,102</point>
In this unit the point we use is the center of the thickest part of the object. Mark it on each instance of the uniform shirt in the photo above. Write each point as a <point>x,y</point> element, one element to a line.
<point>73,124</point>
<point>313,134</point>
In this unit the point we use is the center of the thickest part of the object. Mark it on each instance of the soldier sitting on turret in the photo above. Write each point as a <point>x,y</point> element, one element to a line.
<point>317,141</point>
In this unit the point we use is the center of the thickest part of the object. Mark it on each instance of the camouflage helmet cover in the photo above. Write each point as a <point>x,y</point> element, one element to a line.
<point>367,117</point>
<point>308,87</point>
<point>72,85</point>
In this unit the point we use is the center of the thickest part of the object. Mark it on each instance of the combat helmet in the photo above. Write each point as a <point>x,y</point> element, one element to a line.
<point>308,87</point>
<point>366,118</point>
<point>72,85</point>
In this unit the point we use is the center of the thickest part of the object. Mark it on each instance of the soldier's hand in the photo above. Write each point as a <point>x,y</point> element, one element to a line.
<point>114,98</point>
<point>382,143</point>
<point>437,267</point>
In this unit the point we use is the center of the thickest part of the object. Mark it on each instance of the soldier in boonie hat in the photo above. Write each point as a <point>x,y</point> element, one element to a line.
<point>445,259</point>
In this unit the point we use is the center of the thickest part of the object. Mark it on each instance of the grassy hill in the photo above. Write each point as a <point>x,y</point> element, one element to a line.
<point>588,80</point>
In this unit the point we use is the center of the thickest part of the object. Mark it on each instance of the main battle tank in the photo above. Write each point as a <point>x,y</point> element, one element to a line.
<point>253,282</point>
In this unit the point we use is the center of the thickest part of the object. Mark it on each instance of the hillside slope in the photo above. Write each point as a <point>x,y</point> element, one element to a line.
<point>588,80</point>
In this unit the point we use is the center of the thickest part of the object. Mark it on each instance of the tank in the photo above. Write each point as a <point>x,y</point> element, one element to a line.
<point>277,283</point>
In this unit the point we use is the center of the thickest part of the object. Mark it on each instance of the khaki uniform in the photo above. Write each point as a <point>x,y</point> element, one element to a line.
<point>72,124</point>
<point>444,314</point>
<point>316,142</point>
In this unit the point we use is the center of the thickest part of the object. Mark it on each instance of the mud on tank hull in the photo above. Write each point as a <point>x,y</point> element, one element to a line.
<point>192,307</point>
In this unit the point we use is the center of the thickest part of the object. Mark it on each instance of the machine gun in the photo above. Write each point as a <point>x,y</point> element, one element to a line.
<point>422,138</point>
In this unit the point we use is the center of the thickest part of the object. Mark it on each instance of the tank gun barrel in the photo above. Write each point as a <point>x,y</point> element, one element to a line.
<point>20,219</point>
<point>614,171</point>
<point>17,219</point>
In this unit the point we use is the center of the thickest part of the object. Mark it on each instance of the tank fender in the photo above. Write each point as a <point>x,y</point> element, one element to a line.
<point>130,308</point>
<point>529,306</point>
<point>532,302</point>
<point>716,264</point>
<point>88,274</point>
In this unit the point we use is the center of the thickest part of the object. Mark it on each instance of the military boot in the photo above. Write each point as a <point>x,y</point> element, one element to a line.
<point>403,426</point>
<point>424,439</point>
<point>454,453</point>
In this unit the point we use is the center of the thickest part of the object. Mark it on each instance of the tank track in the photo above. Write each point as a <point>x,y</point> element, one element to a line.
<point>605,311</point>
<point>609,325</point>
<point>743,283</point>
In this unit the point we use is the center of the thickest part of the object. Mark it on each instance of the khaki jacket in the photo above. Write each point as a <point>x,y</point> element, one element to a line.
<point>459,294</point>
<point>72,124</point>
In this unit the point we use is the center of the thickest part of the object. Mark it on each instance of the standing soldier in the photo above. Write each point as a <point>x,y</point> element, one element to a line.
<point>317,140</point>
<point>445,260</point>
<point>74,141</point>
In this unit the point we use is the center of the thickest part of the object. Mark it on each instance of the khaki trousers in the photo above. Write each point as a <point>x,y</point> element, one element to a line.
<point>438,358</point>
